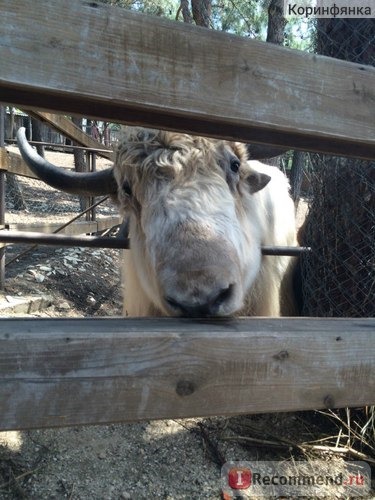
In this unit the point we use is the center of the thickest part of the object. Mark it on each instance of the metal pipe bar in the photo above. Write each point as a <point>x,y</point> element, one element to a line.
<point>32,238</point>
<point>63,226</point>
<point>35,238</point>
<point>287,251</point>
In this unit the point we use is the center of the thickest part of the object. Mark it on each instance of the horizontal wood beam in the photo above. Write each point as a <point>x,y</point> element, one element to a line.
<point>70,130</point>
<point>88,371</point>
<point>96,60</point>
<point>13,163</point>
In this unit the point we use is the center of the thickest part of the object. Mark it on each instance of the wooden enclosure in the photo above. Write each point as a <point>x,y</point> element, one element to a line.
<point>74,371</point>
<point>158,73</point>
<point>90,59</point>
<point>12,163</point>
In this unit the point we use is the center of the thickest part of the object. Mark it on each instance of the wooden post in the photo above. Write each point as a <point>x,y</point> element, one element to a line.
<point>93,169</point>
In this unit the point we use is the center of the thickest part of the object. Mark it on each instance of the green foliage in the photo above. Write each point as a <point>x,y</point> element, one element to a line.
<point>241,17</point>
<point>299,34</point>
<point>163,8</point>
<point>246,18</point>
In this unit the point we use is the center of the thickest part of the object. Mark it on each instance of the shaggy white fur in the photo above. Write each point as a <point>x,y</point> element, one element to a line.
<point>199,214</point>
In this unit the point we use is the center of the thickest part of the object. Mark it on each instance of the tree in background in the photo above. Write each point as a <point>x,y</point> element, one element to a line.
<point>37,135</point>
<point>276,22</point>
<point>340,272</point>
<point>80,164</point>
<point>240,17</point>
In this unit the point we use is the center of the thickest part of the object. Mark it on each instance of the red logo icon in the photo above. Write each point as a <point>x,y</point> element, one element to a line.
<point>239,478</point>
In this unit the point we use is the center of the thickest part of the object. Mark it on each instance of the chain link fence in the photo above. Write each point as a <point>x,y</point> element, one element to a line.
<point>31,201</point>
<point>338,277</point>
<point>33,205</point>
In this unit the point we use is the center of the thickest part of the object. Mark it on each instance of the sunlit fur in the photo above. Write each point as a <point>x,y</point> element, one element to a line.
<point>197,227</point>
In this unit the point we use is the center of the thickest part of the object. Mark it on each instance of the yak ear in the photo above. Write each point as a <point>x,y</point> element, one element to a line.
<point>257,181</point>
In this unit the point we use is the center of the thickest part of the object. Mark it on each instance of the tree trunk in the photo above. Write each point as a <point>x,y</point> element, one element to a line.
<point>11,126</point>
<point>14,192</point>
<point>339,275</point>
<point>201,12</point>
<point>79,156</point>
<point>275,34</point>
<point>80,164</point>
<point>296,174</point>
<point>276,22</point>
<point>27,124</point>
<point>37,135</point>
<point>184,8</point>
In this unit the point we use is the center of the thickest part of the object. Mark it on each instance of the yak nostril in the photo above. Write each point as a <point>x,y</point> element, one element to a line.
<point>191,311</point>
<point>223,296</point>
<point>175,305</point>
<point>209,308</point>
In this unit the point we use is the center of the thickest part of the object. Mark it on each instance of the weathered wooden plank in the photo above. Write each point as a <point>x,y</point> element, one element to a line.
<point>13,163</point>
<point>84,371</point>
<point>78,227</point>
<point>70,130</point>
<point>154,72</point>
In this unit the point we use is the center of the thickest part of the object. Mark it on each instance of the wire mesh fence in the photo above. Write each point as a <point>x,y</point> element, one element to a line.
<point>32,205</point>
<point>30,201</point>
<point>339,273</point>
<point>338,276</point>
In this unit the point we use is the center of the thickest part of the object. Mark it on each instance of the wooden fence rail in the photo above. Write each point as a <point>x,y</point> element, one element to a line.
<point>155,72</point>
<point>69,129</point>
<point>87,371</point>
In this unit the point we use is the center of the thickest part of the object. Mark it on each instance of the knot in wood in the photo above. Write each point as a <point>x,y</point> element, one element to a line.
<point>280,356</point>
<point>185,387</point>
<point>328,401</point>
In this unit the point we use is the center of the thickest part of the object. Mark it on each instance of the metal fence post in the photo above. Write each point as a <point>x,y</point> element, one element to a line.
<point>91,167</point>
<point>2,199</point>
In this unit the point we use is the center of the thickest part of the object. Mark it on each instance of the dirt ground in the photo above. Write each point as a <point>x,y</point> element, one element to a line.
<point>169,459</point>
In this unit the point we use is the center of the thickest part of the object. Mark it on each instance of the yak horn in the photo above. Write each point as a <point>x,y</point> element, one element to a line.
<point>82,183</point>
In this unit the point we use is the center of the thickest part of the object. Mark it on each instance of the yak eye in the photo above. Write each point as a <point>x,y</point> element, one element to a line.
<point>235,165</point>
<point>126,188</point>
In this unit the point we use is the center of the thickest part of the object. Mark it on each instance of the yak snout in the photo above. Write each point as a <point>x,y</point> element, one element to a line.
<point>209,290</point>
<point>202,306</point>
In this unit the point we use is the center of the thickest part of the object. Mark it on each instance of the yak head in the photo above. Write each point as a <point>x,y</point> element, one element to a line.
<point>193,224</point>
